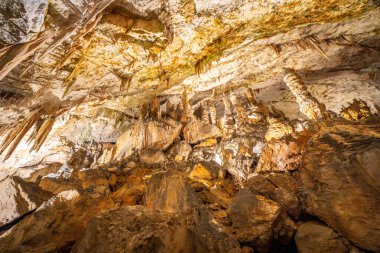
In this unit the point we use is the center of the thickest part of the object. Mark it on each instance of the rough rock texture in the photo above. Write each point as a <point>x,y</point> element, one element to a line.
<point>336,171</point>
<point>151,134</point>
<point>256,219</point>
<point>169,192</point>
<point>20,20</point>
<point>18,198</point>
<point>313,237</point>
<point>307,103</point>
<point>116,231</point>
<point>197,131</point>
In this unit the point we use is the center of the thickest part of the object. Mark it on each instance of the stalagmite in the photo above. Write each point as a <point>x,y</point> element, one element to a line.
<point>228,122</point>
<point>309,105</point>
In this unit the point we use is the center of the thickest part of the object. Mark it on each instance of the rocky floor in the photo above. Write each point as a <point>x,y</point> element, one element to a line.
<point>325,201</point>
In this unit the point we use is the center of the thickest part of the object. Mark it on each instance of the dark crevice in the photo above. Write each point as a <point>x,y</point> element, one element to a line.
<point>14,222</point>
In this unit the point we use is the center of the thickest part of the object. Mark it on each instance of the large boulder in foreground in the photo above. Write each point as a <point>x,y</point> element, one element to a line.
<point>340,180</point>
<point>256,221</point>
<point>312,237</point>
<point>171,193</point>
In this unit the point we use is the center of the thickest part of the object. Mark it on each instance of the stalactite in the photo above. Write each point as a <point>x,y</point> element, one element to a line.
<point>307,103</point>
<point>13,139</point>
<point>43,132</point>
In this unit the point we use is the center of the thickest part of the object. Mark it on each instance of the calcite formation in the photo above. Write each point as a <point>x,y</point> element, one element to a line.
<point>189,126</point>
<point>307,103</point>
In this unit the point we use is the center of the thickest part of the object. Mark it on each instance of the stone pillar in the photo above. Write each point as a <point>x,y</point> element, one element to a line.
<point>308,104</point>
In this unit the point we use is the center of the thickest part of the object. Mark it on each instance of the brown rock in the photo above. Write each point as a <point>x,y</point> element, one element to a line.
<point>138,229</point>
<point>316,238</point>
<point>152,157</point>
<point>133,186</point>
<point>288,201</point>
<point>253,218</point>
<point>180,151</point>
<point>112,180</point>
<point>339,184</point>
<point>282,180</point>
<point>54,226</point>
<point>169,192</point>
<point>258,184</point>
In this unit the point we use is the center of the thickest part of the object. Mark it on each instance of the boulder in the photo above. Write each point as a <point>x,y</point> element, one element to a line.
<point>282,180</point>
<point>205,171</point>
<point>18,198</point>
<point>339,180</point>
<point>180,151</point>
<point>253,219</point>
<point>139,229</point>
<point>288,200</point>
<point>170,192</point>
<point>152,156</point>
<point>313,237</point>
<point>258,184</point>
<point>55,225</point>
<point>196,131</point>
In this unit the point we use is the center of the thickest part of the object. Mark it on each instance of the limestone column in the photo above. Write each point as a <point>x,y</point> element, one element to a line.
<point>308,104</point>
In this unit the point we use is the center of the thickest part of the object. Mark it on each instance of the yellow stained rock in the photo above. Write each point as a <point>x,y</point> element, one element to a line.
<point>200,172</point>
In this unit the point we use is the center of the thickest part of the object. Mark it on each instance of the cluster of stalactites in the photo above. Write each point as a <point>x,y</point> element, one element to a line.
<point>309,105</point>
<point>42,117</point>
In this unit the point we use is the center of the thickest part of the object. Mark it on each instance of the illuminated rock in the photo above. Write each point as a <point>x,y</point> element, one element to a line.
<point>307,103</point>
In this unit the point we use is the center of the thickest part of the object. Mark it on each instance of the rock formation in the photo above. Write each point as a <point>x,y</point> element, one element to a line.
<point>189,126</point>
<point>307,103</point>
